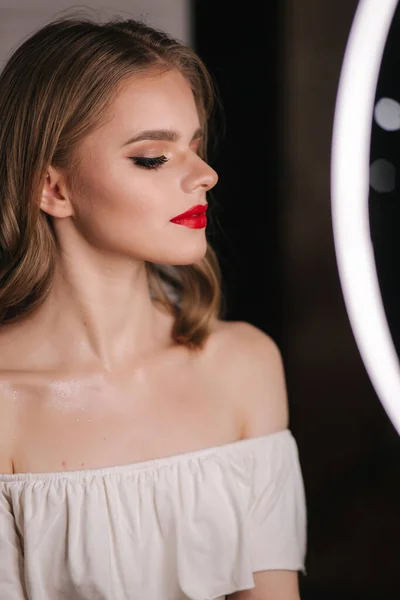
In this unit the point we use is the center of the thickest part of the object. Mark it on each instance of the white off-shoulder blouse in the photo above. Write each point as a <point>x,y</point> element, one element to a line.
<point>194,525</point>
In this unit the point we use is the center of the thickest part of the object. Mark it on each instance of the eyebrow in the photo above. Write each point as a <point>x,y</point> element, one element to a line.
<point>163,135</point>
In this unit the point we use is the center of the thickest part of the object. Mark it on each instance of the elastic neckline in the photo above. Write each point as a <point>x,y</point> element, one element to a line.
<point>153,463</point>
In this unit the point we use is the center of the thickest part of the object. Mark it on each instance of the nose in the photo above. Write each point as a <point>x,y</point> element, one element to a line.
<point>201,176</point>
<point>210,178</point>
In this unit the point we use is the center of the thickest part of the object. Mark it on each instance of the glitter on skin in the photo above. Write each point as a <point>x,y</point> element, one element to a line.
<point>64,395</point>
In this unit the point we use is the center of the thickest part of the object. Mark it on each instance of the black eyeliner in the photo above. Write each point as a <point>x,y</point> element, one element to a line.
<point>149,162</point>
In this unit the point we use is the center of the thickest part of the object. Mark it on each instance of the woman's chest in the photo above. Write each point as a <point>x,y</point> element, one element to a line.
<point>72,423</point>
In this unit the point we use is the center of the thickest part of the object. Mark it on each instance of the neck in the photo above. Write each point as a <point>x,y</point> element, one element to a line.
<point>100,313</point>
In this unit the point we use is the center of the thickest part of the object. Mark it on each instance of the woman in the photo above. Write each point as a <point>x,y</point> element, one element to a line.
<point>145,450</point>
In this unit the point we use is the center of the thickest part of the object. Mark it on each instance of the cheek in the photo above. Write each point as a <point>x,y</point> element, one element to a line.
<point>124,200</point>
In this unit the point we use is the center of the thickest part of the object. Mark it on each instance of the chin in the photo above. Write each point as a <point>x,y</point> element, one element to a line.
<point>185,256</point>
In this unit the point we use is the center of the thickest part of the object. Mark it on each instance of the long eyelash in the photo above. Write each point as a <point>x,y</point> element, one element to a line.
<point>149,163</point>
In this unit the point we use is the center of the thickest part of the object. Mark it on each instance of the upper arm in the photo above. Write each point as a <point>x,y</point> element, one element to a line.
<point>271,585</point>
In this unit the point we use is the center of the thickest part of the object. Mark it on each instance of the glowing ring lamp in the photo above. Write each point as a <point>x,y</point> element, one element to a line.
<point>350,172</point>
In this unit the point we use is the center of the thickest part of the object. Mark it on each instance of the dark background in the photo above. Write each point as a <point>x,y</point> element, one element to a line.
<point>277,66</point>
<point>245,63</point>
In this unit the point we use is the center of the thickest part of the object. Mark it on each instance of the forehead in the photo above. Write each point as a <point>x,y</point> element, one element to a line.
<point>154,101</point>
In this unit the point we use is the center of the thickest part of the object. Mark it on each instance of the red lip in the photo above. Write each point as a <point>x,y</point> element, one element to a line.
<point>199,209</point>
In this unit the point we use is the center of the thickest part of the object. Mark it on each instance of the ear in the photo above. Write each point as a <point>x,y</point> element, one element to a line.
<point>55,199</point>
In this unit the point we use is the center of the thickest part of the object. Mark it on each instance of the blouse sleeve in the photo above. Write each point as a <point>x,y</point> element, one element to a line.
<point>11,559</point>
<point>277,507</point>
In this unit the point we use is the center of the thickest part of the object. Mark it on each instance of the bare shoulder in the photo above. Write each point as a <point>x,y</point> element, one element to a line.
<point>250,363</point>
<point>7,424</point>
<point>11,353</point>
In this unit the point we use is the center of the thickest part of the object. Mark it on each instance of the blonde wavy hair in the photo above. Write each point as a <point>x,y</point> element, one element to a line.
<point>54,90</point>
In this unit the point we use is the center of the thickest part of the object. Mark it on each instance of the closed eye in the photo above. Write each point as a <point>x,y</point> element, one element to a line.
<point>149,163</point>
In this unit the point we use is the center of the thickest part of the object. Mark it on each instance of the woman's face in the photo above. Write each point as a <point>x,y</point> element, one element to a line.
<point>125,195</point>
